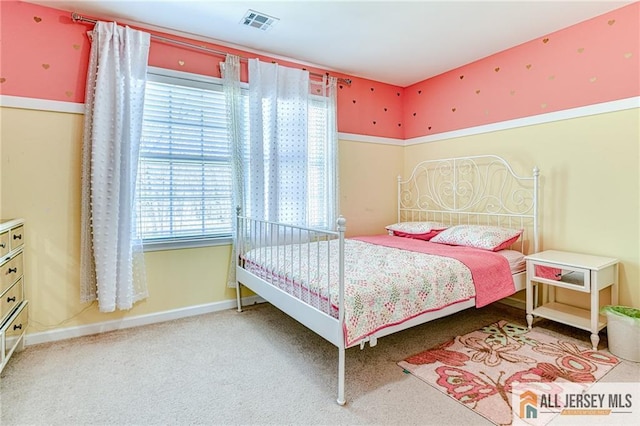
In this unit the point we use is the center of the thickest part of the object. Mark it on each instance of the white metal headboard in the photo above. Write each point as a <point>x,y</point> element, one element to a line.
<point>480,190</point>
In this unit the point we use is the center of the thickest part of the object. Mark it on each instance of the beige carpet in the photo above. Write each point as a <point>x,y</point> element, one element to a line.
<point>255,367</point>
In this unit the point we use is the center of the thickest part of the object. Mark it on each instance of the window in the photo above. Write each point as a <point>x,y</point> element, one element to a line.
<point>184,195</point>
<point>184,179</point>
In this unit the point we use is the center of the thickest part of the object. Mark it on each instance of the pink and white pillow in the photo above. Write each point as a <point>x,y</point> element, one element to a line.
<point>484,237</point>
<point>418,230</point>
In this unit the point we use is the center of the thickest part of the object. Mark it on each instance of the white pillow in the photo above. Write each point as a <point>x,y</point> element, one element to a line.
<point>484,237</point>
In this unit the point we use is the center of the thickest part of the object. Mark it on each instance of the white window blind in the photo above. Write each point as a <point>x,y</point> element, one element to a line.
<point>318,167</point>
<point>184,182</point>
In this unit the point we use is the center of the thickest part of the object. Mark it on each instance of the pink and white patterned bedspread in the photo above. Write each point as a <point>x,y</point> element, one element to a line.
<point>383,285</point>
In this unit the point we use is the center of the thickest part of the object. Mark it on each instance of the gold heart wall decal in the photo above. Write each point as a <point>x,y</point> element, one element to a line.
<point>611,21</point>
<point>69,93</point>
<point>2,79</point>
<point>453,110</point>
<point>478,92</point>
<point>513,92</point>
<point>181,63</point>
<point>552,77</point>
<point>528,66</point>
<point>545,40</point>
<point>592,79</point>
<point>37,19</point>
<point>46,66</point>
<point>543,106</point>
<point>628,55</point>
<point>580,50</point>
<point>496,69</point>
<point>461,77</point>
<point>76,46</point>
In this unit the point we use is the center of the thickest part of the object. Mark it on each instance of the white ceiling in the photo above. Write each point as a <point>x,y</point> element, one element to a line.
<point>395,42</point>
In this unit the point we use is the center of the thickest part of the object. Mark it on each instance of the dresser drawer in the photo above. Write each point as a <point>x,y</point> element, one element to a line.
<point>13,330</point>
<point>11,299</point>
<point>4,243</point>
<point>16,237</point>
<point>10,272</point>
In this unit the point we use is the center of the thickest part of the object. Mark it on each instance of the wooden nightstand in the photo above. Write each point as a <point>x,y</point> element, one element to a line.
<point>573,271</point>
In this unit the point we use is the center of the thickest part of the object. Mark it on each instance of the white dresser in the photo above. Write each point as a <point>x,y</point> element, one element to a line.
<point>13,306</point>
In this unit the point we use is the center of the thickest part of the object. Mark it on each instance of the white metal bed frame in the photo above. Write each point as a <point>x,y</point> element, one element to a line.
<point>465,190</point>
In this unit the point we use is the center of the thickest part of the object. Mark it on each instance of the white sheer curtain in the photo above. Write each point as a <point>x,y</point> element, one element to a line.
<point>278,157</point>
<point>230,70</point>
<point>111,262</point>
<point>286,169</point>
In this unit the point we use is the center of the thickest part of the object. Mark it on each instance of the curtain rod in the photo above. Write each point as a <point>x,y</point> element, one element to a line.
<point>79,18</point>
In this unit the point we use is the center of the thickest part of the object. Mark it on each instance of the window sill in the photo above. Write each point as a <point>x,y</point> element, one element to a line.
<point>186,243</point>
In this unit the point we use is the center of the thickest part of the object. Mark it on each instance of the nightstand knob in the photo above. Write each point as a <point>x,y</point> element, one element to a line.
<point>17,327</point>
<point>11,299</point>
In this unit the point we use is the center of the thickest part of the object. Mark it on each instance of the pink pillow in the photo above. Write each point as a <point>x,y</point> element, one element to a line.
<point>418,230</point>
<point>484,237</point>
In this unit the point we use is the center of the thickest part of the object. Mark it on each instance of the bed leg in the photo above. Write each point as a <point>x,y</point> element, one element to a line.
<point>341,368</point>
<point>239,300</point>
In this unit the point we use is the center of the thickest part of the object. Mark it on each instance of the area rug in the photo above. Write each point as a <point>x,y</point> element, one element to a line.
<point>482,369</point>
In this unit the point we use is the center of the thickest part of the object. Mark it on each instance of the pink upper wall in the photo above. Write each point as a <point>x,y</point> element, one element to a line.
<point>588,63</point>
<point>44,54</point>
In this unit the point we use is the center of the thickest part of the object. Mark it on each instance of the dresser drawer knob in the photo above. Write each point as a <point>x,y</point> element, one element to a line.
<point>2,245</point>
<point>17,236</point>
<point>12,270</point>
<point>17,327</point>
<point>11,299</point>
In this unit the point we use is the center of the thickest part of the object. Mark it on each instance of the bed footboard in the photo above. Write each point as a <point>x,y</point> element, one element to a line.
<point>272,260</point>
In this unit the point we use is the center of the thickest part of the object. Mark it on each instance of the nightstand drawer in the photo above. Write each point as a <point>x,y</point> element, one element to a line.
<point>10,272</point>
<point>10,299</point>
<point>565,276</point>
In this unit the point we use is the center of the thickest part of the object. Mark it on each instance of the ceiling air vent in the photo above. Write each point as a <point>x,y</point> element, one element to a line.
<point>258,20</point>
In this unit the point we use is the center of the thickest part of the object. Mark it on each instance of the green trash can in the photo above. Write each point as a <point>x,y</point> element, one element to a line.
<point>623,331</point>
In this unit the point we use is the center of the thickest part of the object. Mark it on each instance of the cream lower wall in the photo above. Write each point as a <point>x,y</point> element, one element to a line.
<point>40,181</point>
<point>590,185</point>
<point>369,185</point>
<point>590,190</point>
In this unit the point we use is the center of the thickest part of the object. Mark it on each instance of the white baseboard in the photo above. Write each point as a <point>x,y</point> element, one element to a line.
<point>103,327</point>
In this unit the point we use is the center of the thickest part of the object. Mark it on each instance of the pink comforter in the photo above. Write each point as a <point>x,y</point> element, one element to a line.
<point>490,271</point>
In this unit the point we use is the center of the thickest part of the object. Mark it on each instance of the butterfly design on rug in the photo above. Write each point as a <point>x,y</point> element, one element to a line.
<point>439,353</point>
<point>470,388</point>
<point>502,331</point>
<point>571,357</point>
<point>492,353</point>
